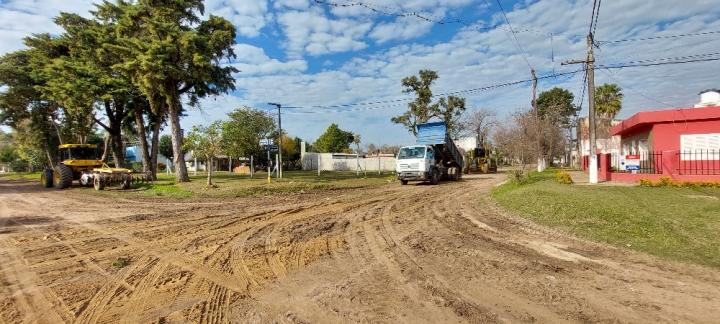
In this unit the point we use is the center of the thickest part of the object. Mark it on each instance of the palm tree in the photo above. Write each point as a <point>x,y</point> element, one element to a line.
<point>608,100</point>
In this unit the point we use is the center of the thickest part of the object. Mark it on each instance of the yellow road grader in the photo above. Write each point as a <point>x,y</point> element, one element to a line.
<point>80,162</point>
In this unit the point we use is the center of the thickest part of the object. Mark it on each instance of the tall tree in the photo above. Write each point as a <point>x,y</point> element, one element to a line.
<point>334,140</point>
<point>206,142</point>
<point>479,123</point>
<point>245,129</point>
<point>608,100</point>
<point>171,53</point>
<point>422,109</point>
<point>22,104</point>
<point>556,106</point>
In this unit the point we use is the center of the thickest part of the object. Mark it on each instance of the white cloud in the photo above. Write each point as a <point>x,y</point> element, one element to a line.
<point>312,33</point>
<point>249,17</point>
<point>401,28</point>
<point>252,60</point>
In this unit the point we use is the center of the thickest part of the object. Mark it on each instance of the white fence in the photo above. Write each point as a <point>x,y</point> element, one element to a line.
<point>347,162</point>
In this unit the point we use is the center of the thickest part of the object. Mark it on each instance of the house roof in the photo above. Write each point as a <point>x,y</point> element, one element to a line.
<point>646,118</point>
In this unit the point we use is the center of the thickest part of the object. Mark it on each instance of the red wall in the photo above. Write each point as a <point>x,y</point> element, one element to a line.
<point>666,136</point>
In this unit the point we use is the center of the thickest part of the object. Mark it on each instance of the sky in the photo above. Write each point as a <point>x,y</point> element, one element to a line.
<point>337,59</point>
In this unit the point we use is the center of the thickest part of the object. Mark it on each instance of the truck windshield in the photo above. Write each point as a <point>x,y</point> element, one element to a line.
<point>411,153</point>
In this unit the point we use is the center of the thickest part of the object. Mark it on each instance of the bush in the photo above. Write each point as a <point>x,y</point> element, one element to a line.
<point>669,182</point>
<point>563,177</point>
<point>517,176</point>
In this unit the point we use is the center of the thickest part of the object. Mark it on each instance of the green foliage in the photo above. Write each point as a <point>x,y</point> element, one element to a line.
<point>165,146</point>
<point>244,131</point>
<point>517,176</point>
<point>556,106</point>
<point>608,100</point>
<point>334,140</point>
<point>563,177</point>
<point>421,110</point>
<point>205,141</point>
<point>121,262</point>
<point>669,222</point>
<point>669,182</point>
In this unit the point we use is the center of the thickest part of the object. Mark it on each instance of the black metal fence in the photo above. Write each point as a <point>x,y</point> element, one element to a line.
<point>699,162</point>
<point>650,163</point>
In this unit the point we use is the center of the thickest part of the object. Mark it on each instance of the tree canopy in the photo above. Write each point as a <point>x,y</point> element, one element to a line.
<point>608,100</point>
<point>207,143</point>
<point>334,140</point>
<point>556,106</point>
<point>422,109</point>
<point>245,129</point>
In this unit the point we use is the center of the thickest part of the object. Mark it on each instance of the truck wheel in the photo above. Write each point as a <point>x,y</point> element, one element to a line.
<point>62,176</point>
<point>434,177</point>
<point>403,182</point>
<point>46,178</point>
<point>98,182</point>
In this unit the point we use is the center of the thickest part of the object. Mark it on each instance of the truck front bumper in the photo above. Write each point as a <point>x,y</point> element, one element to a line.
<point>412,175</point>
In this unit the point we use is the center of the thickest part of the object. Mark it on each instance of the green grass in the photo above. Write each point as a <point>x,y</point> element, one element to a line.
<point>673,223</point>
<point>234,185</point>
<point>20,176</point>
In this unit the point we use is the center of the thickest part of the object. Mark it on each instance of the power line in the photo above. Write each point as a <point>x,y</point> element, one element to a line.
<point>609,74</point>
<point>512,31</point>
<point>403,101</point>
<point>626,65</point>
<point>597,15</point>
<point>658,37</point>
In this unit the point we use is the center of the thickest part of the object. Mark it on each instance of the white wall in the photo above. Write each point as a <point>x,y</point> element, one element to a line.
<point>347,162</point>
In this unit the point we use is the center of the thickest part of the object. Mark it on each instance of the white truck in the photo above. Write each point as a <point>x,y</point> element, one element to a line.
<point>434,157</point>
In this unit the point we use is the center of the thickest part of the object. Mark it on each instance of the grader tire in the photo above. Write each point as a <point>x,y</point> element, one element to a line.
<point>46,178</point>
<point>62,176</point>
<point>98,182</point>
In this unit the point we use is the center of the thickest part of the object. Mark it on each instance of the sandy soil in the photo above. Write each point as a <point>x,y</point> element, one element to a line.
<point>409,254</point>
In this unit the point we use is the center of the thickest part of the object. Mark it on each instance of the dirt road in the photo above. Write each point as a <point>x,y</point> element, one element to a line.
<point>410,254</point>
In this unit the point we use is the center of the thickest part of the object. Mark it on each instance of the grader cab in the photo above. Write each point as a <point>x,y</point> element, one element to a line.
<point>80,162</point>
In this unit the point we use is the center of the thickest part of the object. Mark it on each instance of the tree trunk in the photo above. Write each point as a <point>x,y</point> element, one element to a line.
<point>138,110</point>
<point>181,174</point>
<point>104,157</point>
<point>209,171</point>
<point>155,148</point>
<point>117,148</point>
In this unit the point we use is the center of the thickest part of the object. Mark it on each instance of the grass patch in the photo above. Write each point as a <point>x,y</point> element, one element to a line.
<point>669,222</point>
<point>20,176</point>
<point>234,185</point>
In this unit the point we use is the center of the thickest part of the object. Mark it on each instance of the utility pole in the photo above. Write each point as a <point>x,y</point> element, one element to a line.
<point>279,106</point>
<point>590,61</point>
<point>538,133</point>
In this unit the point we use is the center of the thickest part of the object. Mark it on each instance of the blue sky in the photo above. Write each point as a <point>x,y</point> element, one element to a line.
<point>304,54</point>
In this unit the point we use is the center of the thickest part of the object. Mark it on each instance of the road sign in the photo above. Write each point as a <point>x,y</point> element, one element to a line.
<point>271,147</point>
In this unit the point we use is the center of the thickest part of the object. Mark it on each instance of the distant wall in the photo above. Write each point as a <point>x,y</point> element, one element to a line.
<point>347,162</point>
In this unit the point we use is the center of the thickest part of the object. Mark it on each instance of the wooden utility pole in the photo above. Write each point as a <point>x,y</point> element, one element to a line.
<point>590,61</point>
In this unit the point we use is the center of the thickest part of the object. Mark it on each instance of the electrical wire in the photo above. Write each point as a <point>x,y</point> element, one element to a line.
<point>512,31</point>
<point>658,37</point>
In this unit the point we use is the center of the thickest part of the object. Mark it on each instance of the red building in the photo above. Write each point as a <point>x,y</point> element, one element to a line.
<point>683,144</point>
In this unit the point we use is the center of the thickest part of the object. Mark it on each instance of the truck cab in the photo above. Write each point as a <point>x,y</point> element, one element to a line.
<point>415,163</point>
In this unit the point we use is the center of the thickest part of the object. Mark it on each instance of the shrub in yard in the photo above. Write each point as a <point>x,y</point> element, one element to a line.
<point>669,182</point>
<point>517,176</point>
<point>563,177</point>
<point>646,183</point>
